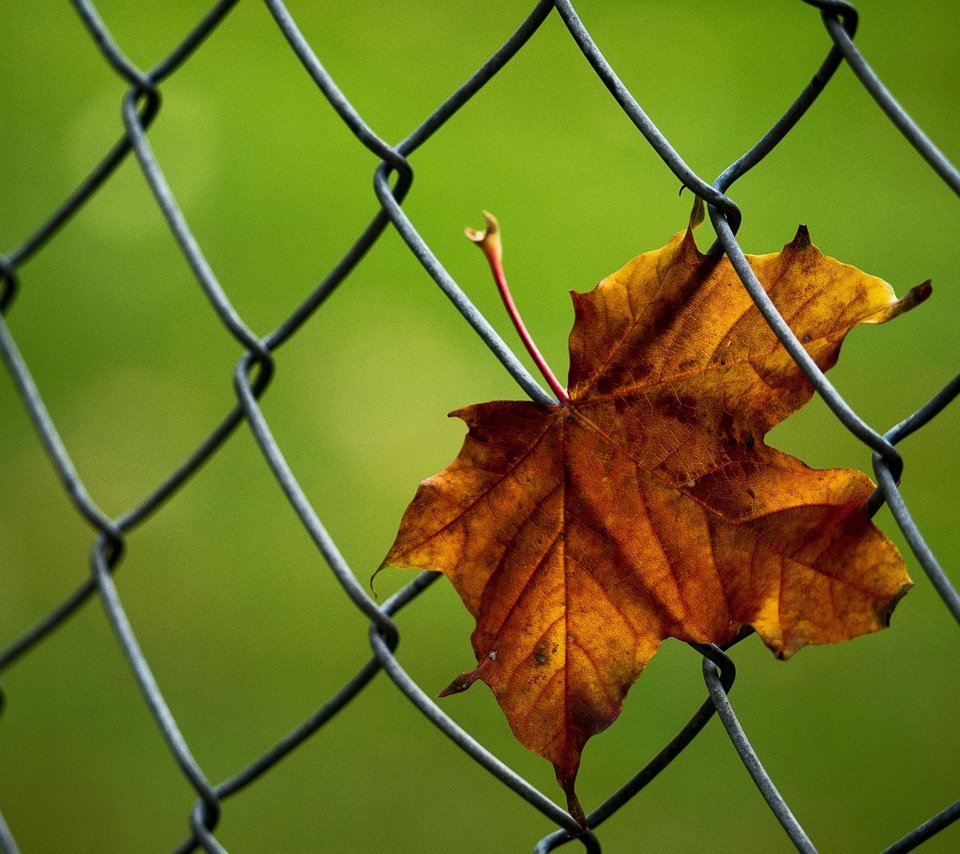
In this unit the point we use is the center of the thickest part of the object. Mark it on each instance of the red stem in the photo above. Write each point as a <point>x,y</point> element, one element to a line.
<point>489,242</point>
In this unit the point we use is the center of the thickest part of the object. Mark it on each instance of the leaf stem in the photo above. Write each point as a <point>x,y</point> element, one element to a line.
<point>489,241</point>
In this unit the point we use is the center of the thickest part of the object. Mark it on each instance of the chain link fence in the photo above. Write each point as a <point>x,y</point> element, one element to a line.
<point>254,372</point>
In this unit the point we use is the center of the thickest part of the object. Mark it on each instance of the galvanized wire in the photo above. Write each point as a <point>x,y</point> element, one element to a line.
<point>393,177</point>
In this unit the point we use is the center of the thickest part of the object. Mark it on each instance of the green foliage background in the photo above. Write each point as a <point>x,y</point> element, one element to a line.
<point>242,623</point>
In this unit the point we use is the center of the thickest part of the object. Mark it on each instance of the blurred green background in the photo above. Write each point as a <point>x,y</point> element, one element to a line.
<point>242,623</point>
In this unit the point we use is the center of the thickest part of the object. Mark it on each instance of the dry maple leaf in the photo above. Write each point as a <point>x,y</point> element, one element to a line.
<point>646,505</point>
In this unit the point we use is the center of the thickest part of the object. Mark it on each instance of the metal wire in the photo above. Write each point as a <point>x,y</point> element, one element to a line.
<point>393,178</point>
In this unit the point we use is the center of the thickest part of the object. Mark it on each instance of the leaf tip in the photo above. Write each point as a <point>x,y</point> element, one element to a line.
<point>373,576</point>
<point>801,242</point>
<point>688,244</point>
<point>915,296</point>
<point>460,684</point>
<point>574,807</point>
<point>911,299</point>
<point>885,610</point>
<point>698,212</point>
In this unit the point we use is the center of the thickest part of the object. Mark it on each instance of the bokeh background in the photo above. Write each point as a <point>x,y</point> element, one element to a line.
<point>242,623</point>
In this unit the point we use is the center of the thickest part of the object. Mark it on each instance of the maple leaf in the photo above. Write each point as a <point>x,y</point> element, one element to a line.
<point>645,504</point>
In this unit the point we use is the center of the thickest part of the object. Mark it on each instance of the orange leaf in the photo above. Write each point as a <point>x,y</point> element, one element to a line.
<point>647,506</point>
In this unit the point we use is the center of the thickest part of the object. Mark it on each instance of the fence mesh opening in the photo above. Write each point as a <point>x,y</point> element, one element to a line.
<point>230,352</point>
